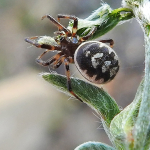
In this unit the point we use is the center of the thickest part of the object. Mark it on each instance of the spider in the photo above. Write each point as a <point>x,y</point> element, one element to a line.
<point>95,60</point>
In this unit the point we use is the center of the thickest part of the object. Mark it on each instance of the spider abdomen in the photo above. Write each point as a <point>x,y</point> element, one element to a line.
<point>96,61</point>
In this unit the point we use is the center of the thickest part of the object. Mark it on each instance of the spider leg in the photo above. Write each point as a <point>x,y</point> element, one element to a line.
<point>75,23</point>
<point>49,61</point>
<point>56,23</point>
<point>45,46</point>
<point>31,41</point>
<point>59,33</point>
<point>58,60</point>
<point>110,41</point>
<point>85,38</point>
<point>57,64</point>
<point>66,63</point>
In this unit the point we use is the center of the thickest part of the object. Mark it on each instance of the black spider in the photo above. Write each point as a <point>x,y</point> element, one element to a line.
<point>95,60</point>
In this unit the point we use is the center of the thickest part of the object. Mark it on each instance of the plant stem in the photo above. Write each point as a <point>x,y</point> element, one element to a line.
<point>141,10</point>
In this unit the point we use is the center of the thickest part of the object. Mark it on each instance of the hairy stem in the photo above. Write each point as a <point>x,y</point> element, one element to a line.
<point>141,10</point>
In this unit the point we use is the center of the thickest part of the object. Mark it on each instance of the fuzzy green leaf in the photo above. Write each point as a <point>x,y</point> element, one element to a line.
<point>123,124</point>
<point>92,95</point>
<point>147,141</point>
<point>94,146</point>
<point>141,9</point>
<point>104,18</point>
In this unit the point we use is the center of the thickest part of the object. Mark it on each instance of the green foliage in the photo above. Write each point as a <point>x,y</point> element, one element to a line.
<point>104,18</point>
<point>93,96</point>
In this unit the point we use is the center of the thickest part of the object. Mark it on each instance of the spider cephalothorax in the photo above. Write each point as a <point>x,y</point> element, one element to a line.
<point>95,60</point>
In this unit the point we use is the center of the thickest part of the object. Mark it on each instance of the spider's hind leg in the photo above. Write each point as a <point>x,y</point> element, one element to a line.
<point>110,41</point>
<point>66,63</point>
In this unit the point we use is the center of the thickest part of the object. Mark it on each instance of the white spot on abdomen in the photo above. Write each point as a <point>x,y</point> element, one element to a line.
<point>106,65</point>
<point>87,53</point>
<point>98,55</point>
<point>94,60</point>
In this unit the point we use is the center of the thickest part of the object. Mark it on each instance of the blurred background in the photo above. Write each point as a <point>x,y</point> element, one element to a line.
<point>33,114</point>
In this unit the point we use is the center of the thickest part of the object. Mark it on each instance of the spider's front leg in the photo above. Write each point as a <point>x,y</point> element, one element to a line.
<point>75,23</point>
<point>66,63</point>
<point>56,23</point>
